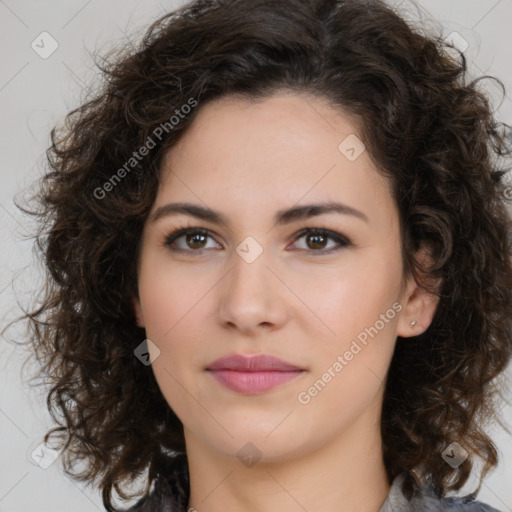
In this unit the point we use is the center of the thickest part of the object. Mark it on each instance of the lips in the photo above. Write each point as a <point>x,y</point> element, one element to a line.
<point>257,363</point>
<point>252,374</point>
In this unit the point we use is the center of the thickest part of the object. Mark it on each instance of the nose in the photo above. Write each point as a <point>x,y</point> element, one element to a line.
<point>252,296</point>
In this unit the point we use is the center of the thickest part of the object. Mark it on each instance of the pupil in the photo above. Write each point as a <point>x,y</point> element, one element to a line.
<point>316,237</point>
<point>195,236</point>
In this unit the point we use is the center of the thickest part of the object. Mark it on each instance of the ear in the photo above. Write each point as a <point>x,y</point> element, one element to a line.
<point>418,303</point>
<point>139,317</point>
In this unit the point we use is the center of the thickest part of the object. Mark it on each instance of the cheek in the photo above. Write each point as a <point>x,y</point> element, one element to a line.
<point>359,313</point>
<point>169,294</point>
<point>173,305</point>
<point>355,297</point>
<point>350,366</point>
<point>169,318</point>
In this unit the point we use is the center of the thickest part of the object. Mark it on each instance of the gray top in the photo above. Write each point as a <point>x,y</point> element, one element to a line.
<point>397,502</point>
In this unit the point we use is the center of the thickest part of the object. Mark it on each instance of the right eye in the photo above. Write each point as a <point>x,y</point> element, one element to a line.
<point>192,238</point>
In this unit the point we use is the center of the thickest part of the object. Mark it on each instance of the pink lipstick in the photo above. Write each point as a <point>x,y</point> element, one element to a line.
<point>252,374</point>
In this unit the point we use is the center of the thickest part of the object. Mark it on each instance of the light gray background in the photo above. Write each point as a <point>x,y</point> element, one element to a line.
<point>35,93</point>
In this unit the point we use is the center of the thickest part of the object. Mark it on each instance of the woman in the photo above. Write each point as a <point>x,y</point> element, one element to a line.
<point>279,270</point>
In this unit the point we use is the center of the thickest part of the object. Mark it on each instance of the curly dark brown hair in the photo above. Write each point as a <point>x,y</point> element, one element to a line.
<point>428,128</point>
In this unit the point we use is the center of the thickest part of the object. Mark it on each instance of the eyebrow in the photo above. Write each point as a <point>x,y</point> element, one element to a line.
<point>281,217</point>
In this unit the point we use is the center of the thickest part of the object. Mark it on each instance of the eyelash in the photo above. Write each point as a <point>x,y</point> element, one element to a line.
<point>185,230</point>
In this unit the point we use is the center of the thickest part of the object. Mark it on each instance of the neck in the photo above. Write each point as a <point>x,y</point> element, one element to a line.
<point>343,475</point>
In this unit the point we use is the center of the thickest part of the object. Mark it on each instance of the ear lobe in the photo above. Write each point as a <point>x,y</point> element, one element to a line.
<point>418,312</point>
<point>419,305</point>
<point>139,317</point>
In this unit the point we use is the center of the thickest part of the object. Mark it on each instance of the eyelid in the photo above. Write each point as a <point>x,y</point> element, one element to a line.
<point>341,240</point>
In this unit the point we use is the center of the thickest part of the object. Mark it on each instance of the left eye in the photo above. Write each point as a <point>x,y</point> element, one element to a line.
<point>316,238</point>
<point>319,237</point>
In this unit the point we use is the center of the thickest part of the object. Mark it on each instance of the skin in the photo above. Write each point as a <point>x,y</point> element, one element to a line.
<point>296,301</point>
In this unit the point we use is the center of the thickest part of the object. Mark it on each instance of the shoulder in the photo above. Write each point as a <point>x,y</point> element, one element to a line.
<point>464,504</point>
<point>428,502</point>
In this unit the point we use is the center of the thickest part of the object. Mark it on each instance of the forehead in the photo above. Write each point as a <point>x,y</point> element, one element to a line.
<point>274,152</point>
<point>282,129</point>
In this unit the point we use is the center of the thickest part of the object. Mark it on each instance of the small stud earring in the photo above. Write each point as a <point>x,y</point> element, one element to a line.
<point>413,323</point>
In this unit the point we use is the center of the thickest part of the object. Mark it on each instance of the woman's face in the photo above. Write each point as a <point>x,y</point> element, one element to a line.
<point>257,284</point>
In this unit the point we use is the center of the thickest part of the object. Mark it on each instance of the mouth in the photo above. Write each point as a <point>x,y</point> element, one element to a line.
<point>253,374</point>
